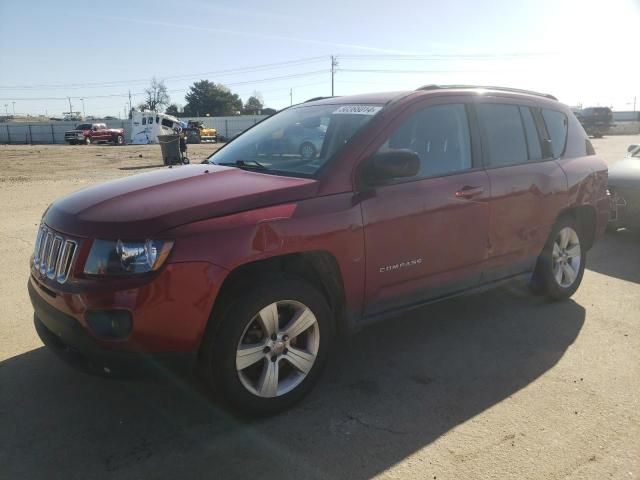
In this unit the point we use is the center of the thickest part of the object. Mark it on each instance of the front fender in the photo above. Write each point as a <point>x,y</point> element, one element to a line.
<point>331,224</point>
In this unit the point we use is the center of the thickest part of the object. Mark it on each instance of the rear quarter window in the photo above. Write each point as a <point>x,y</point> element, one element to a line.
<point>557,125</point>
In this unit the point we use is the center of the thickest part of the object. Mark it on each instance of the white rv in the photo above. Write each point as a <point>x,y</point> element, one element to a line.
<point>146,126</point>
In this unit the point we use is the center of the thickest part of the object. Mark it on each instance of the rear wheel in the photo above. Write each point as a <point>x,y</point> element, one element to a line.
<point>561,265</point>
<point>270,347</point>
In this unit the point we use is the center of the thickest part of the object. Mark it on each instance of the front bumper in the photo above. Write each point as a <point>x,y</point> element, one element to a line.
<point>169,312</point>
<point>68,339</point>
<point>625,207</point>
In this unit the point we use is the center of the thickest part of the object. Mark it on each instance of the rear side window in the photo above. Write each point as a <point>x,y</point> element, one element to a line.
<point>440,137</point>
<point>503,134</point>
<point>533,141</point>
<point>556,123</point>
<point>144,120</point>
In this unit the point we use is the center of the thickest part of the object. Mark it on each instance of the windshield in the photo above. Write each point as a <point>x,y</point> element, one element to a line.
<point>84,126</point>
<point>296,141</point>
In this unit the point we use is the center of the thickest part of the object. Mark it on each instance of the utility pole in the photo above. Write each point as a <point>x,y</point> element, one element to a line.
<point>291,96</point>
<point>14,108</point>
<point>334,64</point>
<point>83,114</point>
<point>6,109</point>
<point>130,106</point>
<point>634,103</point>
<point>70,108</point>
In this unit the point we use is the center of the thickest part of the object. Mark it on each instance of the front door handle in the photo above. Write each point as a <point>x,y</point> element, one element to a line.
<point>469,192</point>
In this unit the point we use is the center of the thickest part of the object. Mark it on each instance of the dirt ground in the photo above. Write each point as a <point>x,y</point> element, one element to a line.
<point>498,385</point>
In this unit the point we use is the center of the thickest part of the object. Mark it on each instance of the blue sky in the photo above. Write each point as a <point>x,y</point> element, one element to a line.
<point>581,51</point>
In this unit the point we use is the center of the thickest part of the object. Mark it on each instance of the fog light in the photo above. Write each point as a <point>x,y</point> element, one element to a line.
<point>110,324</point>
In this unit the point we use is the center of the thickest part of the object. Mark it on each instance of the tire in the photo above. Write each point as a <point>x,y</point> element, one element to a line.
<point>559,270</point>
<point>308,150</point>
<point>247,320</point>
<point>185,160</point>
<point>612,227</point>
<point>88,141</point>
<point>119,140</point>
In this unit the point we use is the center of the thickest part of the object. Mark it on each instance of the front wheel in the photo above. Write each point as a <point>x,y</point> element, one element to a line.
<point>270,347</point>
<point>561,265</point>
<point>119,140</point>
<point>88,141</point>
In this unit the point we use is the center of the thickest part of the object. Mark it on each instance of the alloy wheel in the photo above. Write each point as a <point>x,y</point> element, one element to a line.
<point>566,257</point>
<point>278,349</point>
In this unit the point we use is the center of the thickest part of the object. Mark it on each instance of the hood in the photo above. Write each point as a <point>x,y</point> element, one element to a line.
<point>144,205</point>
<point>625,173</point>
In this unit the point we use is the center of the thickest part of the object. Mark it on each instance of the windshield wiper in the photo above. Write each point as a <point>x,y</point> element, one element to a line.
<point>250,164</point>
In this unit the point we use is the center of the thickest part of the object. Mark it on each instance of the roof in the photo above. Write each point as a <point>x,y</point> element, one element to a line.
<point>487,88</point>
<point>370,98</point>
<point>383,98</point>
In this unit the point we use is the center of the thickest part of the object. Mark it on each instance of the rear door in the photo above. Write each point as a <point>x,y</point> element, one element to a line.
<point>427,235</point>
<point>527,185</point>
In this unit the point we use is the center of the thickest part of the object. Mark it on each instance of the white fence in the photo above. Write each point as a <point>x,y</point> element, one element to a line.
<point>53,132</point>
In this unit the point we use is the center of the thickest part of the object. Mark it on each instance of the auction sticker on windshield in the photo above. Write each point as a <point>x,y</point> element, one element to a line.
<point>358,110</point>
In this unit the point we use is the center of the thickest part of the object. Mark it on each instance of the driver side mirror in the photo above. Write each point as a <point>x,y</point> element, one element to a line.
<point>391,165</point>
<point>632,148</point>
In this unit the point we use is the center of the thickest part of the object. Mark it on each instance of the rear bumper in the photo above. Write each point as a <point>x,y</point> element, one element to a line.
<point>66,337</point>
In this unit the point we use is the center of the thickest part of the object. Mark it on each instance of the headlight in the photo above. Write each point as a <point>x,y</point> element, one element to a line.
<point>123,257</point>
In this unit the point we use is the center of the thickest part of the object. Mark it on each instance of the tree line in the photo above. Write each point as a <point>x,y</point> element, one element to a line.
<point>204,98</point>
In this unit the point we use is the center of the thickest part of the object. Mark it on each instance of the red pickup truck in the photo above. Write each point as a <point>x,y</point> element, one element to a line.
<point>249,264</point>
<point>88,133</point>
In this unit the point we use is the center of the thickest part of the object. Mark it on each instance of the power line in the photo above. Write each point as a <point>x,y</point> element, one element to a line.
<point>414,71</point>
<point>247,82</point>
<point>447,56</point>
<point>233,71</point>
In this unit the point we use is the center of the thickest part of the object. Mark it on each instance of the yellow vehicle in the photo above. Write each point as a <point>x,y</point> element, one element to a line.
<point>198,133</point>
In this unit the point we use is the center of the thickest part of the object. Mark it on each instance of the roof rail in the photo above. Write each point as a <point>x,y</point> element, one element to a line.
<point>317,98</point>
<point>501,89</point>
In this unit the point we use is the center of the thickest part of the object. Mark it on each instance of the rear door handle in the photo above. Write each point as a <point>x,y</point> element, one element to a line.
<point>469,192</point>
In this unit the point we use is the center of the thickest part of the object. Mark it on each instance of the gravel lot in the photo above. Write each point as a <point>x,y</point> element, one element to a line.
<point>498,385</point>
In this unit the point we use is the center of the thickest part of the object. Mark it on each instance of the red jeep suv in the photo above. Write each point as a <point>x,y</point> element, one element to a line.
<point>247,265</point>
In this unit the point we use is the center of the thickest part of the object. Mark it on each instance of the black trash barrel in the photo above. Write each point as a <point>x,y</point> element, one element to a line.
<point>170,147</point>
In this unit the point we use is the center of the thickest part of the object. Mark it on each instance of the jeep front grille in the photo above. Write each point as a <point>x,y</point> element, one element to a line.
<point>53,254</point>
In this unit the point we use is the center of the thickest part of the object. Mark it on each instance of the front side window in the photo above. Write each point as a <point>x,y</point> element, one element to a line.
<point>556,123</point>
<point>503,134</point>
<point>296,141</point>
<point>440,137</point>
<point>167,123</point>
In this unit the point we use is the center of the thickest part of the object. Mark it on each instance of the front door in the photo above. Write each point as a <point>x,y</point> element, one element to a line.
<point>427,236</point>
